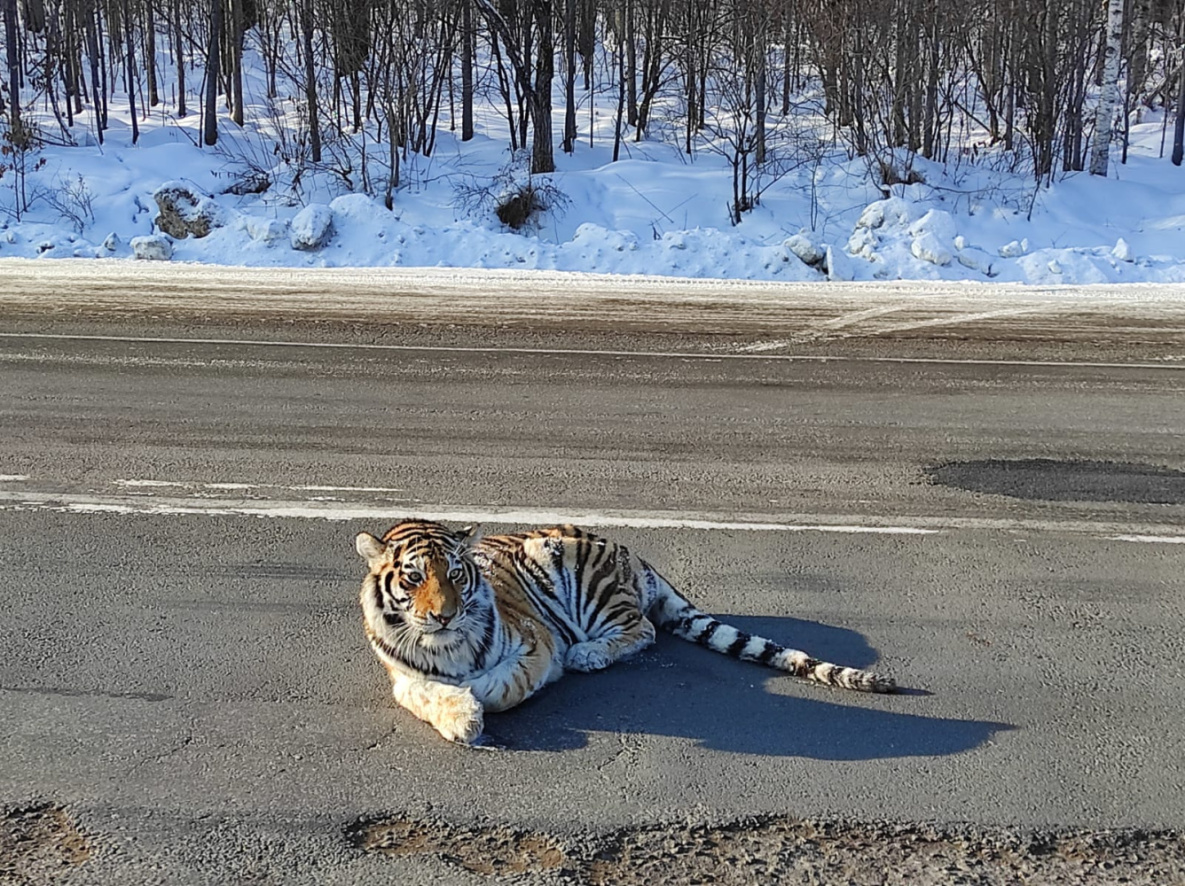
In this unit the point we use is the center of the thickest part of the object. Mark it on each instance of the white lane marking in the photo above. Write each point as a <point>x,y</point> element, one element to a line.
<point>13,478</point>
<point>235,487</point>
<point>342,488</point>
<point>1151,539</point>
<point>583,352</point>
<point>760,347</point>
<point>320,510</point>
<point>384,513</point>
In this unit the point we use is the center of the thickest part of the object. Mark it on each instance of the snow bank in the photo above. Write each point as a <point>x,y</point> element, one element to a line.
<point>655,212</point>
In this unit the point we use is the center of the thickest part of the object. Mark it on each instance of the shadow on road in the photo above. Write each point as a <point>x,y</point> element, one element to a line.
<point>678,689</point>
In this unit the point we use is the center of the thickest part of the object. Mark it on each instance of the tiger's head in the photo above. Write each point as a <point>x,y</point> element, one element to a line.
<point>422,584</point>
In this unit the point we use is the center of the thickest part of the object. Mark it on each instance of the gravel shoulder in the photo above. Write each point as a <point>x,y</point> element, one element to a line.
<point>791,850</point>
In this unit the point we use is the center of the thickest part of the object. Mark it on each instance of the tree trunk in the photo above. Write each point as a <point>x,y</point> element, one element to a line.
<point>14,64</point>
<point>68,67</point>
<point>150,55</point>
<point>237,24</point>
<point>787,36</point>
<point>310,80</point>
<point>759,122</point>
<point>129,35</point>
<point>98,83</point>
<point>1179,123</point>
<point>691,50</point>
<point>586,42</point>
<point>1105,118</point>
<point>542,150</point>
<point>467,52</point>
<point>1141,15</point>
<point>34,14</point>
<point>620,103</point>
<point>213,58</point>
<point>73,61</point>
<point>182,110</point>
<point>504,87</point>
<point>631,67</point>
<point>901,74</point>
<point>569,76</point>
<point>657,15</point>
<point>929,119</point>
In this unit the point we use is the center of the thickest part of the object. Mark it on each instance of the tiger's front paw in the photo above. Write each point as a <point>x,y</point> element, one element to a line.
<point>459,715</point>
<point>587,657</point>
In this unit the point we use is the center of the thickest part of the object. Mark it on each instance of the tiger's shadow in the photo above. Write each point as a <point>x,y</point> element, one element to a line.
<point>681,690</point>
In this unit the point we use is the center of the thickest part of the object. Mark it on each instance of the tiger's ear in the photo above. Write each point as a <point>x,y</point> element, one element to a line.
<point>369,547</point>
<point>469,536</point>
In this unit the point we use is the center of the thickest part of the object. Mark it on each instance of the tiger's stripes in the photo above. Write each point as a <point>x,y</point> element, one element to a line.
<point>466,624</point>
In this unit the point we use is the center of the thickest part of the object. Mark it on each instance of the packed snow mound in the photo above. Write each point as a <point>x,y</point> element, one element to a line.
<point>311,228</point>
<point>893,212</point>
<point>805,249</point>
<point>153,247</point>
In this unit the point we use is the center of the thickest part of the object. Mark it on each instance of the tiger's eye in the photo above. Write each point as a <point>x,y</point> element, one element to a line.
<point>456,573</point>
<point>413,578</point>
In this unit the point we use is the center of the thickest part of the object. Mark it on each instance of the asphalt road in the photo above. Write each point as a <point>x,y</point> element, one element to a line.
<point>186,695</point>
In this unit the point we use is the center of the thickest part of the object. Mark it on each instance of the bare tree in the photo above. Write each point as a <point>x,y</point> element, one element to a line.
<point>534,81</point>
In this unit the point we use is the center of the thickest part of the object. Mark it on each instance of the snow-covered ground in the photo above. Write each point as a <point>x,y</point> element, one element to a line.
<point>655,212</point>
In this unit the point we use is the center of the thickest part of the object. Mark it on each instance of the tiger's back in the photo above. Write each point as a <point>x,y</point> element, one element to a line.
<point>589,591</point>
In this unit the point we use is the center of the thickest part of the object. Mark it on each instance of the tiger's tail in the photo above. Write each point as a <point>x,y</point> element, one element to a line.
<point>674,613</point>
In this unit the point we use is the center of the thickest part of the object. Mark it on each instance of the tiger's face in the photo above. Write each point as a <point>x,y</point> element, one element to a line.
<point>424,579</point>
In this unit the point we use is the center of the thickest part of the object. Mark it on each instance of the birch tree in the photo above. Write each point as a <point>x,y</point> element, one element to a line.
<point>1105,118</point>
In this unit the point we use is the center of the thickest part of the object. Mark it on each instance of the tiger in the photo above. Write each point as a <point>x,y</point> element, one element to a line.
<point>466,623</point>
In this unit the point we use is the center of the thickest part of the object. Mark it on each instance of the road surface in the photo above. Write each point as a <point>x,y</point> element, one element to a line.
<point>983,495</point>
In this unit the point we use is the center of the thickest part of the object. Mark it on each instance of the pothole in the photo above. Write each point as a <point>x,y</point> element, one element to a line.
<point>39,844</point>
<point>783,849</point>
<point>1047,479</point>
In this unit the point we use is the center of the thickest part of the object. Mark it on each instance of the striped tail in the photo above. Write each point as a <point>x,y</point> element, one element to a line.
<point>675,614</point>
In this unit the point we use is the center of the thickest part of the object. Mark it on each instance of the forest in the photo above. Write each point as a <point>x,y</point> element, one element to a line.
<point>1046,87</point>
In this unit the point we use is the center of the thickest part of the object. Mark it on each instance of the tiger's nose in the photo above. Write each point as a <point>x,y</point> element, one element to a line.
<point>442,619</point>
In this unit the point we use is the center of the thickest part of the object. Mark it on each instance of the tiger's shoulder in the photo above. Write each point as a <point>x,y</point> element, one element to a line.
<point>513,564</point>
